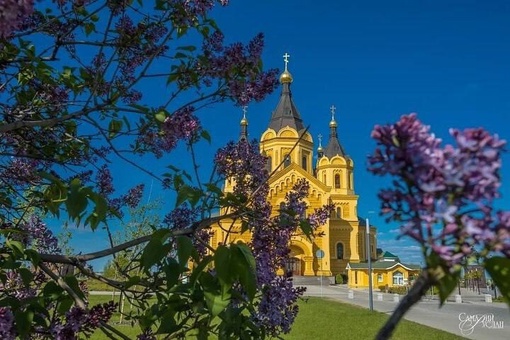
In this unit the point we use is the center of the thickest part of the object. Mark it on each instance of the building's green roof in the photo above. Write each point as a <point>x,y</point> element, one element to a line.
<point>388,255</point>
<point>383,265</point>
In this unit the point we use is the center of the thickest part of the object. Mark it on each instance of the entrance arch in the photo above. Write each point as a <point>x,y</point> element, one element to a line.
<point>300,259</point>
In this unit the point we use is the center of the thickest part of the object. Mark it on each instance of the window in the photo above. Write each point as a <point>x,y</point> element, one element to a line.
<point>337,181</point>
<point>304,162</point>
<point>398,278</point>
<point>324,177</point>
<point>268,163</point>
<point>356,277</point>
<point>379,278</point>
<point>286,160</point>
<point>338,212</point>
<point>339,251</point>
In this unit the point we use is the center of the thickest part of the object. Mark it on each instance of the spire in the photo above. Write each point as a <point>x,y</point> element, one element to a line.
<point>244,125</point>
<point>333,148</point>
<point>320,150</point>
<point>286,113</point>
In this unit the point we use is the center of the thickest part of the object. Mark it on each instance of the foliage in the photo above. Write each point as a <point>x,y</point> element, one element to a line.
<point>401,290</point>
<point>339,279</point>
<point>443,197</point>
<point>75,87</point>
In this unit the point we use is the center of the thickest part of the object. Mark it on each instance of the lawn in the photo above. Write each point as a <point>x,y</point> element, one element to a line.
<point>325,319</point>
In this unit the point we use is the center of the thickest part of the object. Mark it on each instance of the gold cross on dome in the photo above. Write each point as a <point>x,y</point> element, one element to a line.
<point>286,59</point>
<point>333,109</point>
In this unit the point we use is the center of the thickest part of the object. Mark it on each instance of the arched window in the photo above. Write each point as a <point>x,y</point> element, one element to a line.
<point>398,278</point>
<point>337,181</point>
<point>268,163</point>
<point>324,177</point>
<point>304,162</point>
<point>286,160</point>
<point>338,212</point>
<point>339,251</point>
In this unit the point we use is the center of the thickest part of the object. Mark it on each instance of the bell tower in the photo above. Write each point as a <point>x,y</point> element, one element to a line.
<point>286,141</point>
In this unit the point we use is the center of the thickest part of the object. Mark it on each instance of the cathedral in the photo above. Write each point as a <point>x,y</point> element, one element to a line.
<point>286,142</point>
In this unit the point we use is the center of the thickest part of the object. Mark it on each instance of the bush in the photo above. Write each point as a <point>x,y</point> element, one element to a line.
<point>383,288</point>
<point>401,290</point>
<point>339,279</point>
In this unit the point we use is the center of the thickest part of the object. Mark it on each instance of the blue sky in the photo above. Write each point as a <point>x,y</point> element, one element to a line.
<point>449,61</point>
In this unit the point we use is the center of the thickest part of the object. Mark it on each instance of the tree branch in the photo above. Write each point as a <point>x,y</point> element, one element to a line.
<point>419,289</point>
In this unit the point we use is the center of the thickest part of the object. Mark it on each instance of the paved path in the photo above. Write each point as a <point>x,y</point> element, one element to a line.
<point>428,312</point>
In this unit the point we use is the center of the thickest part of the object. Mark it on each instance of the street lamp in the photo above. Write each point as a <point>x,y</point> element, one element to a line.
<point>369,258</point>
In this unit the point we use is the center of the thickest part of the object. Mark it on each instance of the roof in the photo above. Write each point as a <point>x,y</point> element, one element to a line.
<point>334,147</point>
<point>286,113</point>
<point>389,255</point>
<point>382,265</point>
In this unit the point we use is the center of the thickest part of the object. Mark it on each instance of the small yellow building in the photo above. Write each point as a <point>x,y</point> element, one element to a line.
<point>387,271</point>
<point>290,149</point>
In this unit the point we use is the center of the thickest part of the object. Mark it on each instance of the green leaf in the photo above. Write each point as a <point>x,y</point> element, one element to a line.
<point>205,135</point>
<point>153,252</point>
<point>244,264</point>
<point>23,321</point>
<point>52,291</point>
<point>114,127</point>
<point>72,282</point>
<point>168,324</point>
<point>499,269</point>
<point>160,116</point>
<point>184,249</point>
<point>216,301</point>
<point>26,276</point>
<point>76,202</point>
<point>223,264</point>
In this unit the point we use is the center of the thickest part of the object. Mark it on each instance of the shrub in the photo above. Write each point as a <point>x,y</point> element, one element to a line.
<point>401,290</point>
<point>382,288</point>
<point>339,279</point>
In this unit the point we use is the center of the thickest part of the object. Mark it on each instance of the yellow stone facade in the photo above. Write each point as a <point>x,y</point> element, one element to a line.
<point>292,156</point>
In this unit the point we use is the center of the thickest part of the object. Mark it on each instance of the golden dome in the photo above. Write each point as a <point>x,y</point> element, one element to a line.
<point>286,77</point>
<point>319,149</point>
<point>332,124</point>
<point>244,121</point>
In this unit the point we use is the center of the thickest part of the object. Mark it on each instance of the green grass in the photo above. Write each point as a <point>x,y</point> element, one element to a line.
<point>326,319</point>
<point>321,319</point>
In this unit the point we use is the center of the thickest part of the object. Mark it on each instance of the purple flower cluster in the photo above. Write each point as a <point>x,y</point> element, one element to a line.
<point>34,234</point>
<point>442,196</point>
<point>21,172</point>
<point>181,125</point>
<point>12,13</point>
<point>104,181</point>
<point>243,164</point>
<point>7,329</point>
<point>181,217</point>
<point>133,196</point>
<point>239,65</point>
<point>185,13</point>
<point>79,320</point>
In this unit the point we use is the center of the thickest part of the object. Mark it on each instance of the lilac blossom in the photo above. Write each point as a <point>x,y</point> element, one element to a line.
<point>12,13</point>
<point>243,164</point>
<point>7,329</point>
<point>442,196</point>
